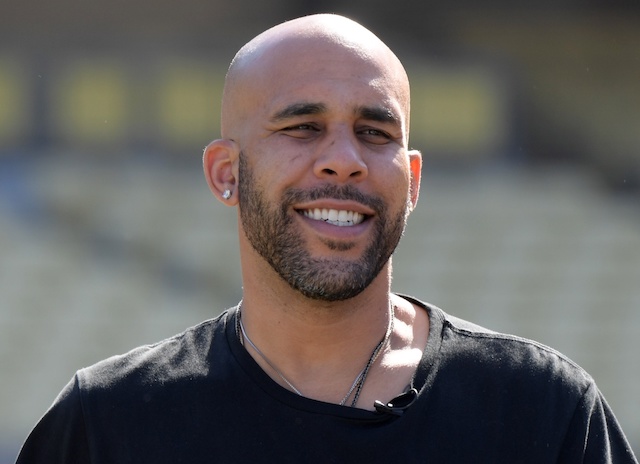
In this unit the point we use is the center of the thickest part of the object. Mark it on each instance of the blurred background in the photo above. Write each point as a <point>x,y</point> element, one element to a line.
<point>527,113</point>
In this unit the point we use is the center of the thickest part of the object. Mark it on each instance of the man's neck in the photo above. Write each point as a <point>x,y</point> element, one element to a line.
<point>308,332</point>
<point>321,347</point>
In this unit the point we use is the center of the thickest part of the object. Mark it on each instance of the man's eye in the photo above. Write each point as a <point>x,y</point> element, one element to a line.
<point>300,128</point>
<point>375,136</point>
<point>301,131</point>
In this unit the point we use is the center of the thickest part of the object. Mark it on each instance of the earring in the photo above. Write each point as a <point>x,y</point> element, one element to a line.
<point>226,194</point>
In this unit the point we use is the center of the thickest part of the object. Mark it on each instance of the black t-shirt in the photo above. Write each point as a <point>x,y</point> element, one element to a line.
<point>483,397</point>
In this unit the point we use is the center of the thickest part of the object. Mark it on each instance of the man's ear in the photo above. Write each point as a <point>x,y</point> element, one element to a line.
<point>415,166</point>
<point>220,164</point>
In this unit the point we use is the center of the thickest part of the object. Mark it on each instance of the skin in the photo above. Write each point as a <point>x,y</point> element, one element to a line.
<point>315,115</point>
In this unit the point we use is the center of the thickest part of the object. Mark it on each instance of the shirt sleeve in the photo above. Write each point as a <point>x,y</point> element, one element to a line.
<point>594,435</point>
<point>60,437</point>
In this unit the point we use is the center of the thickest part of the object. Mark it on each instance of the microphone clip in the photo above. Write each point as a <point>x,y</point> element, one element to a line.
<point>397,405</point>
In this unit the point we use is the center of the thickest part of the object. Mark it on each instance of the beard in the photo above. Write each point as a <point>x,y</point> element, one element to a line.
<point>273,235</point>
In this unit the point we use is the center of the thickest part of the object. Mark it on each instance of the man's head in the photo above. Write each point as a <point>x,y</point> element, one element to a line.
<point>315,120</point>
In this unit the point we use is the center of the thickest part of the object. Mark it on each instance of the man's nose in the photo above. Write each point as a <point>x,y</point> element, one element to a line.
<point>341,159</point>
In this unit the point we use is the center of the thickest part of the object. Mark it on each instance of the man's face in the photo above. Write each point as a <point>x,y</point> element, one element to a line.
<point>324,175</point>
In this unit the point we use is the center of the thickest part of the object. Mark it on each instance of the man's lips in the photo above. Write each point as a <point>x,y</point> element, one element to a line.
<point>337,217</point>
<point>342,206</point>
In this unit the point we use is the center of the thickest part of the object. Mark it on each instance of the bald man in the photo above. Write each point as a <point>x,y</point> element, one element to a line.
<point>320,361</point>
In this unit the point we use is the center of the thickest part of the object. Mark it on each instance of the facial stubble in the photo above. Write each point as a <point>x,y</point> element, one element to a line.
<point>272,233</point>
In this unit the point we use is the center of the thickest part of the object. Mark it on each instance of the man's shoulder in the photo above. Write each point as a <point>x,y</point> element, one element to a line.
<point>467,347</point>
<point>507,350</point>
<point>183,355</point>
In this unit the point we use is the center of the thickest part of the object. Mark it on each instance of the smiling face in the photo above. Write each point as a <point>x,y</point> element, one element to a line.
<point>278,235</point>
<point>325,181</point>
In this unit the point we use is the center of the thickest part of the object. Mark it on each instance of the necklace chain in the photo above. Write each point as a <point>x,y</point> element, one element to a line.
<point>358,383</point>
<point>246,337</point>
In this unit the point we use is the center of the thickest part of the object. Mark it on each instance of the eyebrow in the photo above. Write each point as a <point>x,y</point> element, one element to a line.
<point>371,113</point>
<point>379,114</point>
<point>299,109</point>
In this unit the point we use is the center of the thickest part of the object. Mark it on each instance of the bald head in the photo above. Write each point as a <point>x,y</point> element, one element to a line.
<point>284,56</point>
<point>327,27</point>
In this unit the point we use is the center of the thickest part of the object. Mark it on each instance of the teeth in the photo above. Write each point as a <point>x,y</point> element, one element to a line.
<point>335,217</point>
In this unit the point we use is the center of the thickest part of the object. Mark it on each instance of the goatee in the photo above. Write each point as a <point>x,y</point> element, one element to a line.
<point>273,234</point>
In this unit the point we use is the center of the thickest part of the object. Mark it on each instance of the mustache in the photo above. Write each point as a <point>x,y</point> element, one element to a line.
<point>336,192</point>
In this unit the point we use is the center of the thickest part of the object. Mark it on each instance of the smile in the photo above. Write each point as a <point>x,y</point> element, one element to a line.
<point>342,218</point>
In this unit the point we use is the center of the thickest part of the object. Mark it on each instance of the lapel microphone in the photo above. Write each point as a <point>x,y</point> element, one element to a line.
<point>397,405</point>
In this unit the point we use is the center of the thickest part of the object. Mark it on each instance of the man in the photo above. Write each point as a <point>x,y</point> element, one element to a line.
<point>320,362</point>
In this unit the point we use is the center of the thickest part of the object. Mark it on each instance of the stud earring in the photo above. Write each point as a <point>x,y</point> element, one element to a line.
<point>226,194</point>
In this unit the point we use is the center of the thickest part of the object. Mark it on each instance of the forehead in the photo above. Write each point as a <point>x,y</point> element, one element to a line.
<point>334,74</point>
<point>338,69</point>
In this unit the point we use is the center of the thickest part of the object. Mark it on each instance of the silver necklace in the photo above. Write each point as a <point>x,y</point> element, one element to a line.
<point>358,383</point>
